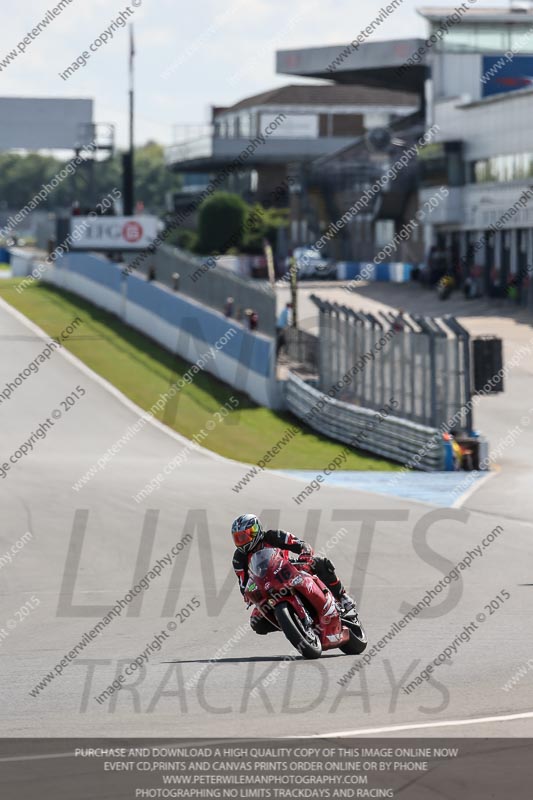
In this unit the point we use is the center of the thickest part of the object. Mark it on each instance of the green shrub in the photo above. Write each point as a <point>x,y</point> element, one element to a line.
<point>184,238</point>
<point>221,223</point>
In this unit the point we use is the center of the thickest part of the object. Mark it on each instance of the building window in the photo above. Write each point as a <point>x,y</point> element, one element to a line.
<point>230,126</point>
<point>478,38</point>
<point>384,232</point>
<point>502,169</point>
<point>293,126</point>
<point>521,38</point>
<point>441,163</point>
<point>493,38</point>
<point>245,125</point>
<point>483,38</point>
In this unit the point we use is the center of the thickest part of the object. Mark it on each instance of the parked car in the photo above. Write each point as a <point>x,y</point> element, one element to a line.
<point>312,265</point>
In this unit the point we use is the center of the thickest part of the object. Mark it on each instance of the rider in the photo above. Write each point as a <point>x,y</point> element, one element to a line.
<point>249,537</point>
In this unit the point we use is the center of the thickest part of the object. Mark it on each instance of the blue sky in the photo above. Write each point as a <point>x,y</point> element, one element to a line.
<point>189,54</point>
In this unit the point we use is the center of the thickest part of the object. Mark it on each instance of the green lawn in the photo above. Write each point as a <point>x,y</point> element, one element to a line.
<point>143,370</point>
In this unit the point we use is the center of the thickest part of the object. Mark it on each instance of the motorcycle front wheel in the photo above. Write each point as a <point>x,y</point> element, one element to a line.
<point>306,642</point>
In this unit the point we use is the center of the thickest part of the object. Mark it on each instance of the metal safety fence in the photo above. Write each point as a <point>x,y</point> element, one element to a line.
<point>423,362</point>
<point>302,347</point>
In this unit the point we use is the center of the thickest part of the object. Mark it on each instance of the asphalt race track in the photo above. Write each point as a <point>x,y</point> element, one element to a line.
<point>89,547</point>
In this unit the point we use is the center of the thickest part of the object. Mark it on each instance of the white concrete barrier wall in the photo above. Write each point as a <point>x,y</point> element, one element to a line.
<point>256,376</point>
<point>22,262</point>
<point>101,296</point>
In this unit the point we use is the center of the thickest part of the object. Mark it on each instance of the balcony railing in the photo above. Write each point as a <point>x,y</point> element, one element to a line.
<point>275,149</point>
<point>201,147</point>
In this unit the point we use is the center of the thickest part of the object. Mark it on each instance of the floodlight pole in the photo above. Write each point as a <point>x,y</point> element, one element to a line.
<point>128,160</point>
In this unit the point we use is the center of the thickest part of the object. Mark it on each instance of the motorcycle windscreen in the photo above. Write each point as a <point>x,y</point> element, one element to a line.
<point>261,561</point>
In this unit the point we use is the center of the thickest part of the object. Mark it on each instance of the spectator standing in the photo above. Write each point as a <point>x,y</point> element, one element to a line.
<point>283,322</point>
<point>229,307</point>
<point>399,323</point>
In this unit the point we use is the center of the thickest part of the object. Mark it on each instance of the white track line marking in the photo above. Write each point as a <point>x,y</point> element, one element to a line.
<point>36,758</point>
<point>472,489</point>
<point>389,729</point>
<point>105,384</point>
<point>423,725</point>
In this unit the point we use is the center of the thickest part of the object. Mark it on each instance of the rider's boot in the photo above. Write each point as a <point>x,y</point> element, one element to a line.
<point>347,604</point>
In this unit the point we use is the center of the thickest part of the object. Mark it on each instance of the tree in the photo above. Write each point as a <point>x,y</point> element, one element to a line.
<point>221,223</point>
<point>263,223</point>
<point>23,176</point>
<point>153,178</point>
<point>183,238</point>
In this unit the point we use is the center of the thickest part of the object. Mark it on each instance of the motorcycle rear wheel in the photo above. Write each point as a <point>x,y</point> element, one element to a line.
<point>357,642</point>
<point>295,632</point>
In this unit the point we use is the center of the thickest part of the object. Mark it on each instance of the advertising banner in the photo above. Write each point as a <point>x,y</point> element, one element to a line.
<point>501,74</point>
<point>113,233</point>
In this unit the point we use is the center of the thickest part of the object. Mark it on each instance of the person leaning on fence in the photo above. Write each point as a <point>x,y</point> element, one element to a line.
<point>252,317</point>
<point>398,324</point>
<point>282,324</point>
<point>229,307</point>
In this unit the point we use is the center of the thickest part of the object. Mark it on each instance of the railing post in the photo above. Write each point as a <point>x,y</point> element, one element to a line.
<point>464,336</point>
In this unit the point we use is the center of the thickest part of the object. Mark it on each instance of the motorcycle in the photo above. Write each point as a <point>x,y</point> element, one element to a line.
<point>445,287</point>
<point>300,605</point>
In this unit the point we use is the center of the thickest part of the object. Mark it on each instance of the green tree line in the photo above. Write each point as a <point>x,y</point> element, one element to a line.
<point>23,176</point>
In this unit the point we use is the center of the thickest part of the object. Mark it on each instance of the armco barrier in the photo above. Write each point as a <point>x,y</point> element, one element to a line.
<point>391,437</point>
<point>246,361</point>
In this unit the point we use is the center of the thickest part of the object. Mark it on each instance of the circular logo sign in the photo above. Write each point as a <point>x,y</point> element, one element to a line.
<point>132,231</point>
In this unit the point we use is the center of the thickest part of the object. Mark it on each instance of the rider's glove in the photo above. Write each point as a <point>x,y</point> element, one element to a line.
<point>307,554</point>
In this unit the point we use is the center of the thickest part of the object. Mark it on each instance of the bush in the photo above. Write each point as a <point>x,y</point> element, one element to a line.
<point>221,223</point>
<point>263,223</point>
<point>184,238</point>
